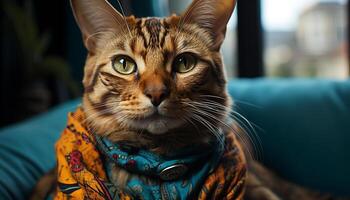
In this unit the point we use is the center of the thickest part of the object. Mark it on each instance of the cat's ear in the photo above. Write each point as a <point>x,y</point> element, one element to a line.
<point>95,18</point>
<point>212,15</point>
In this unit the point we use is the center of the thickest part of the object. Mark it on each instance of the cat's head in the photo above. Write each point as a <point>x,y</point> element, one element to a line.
<point>154,75</point>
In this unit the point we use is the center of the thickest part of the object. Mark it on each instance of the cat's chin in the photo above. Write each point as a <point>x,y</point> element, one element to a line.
<point>157,128</point>
<point>157,125</point>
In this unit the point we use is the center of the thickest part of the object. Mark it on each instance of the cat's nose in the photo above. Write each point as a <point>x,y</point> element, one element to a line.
<point>156,94</point>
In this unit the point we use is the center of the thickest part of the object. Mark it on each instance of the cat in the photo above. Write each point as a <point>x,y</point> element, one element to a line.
<point>148,72</point>
<point>159,84</point>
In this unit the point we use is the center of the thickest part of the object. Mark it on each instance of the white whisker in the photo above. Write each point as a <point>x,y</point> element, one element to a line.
<point>210,108</point>
<point>123,13</point>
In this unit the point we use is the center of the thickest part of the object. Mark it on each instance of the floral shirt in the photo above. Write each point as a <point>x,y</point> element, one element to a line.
<point>81,171</point>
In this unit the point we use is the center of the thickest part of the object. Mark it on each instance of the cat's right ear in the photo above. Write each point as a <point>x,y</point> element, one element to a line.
<point>95,19</point>
<point>212,15</point>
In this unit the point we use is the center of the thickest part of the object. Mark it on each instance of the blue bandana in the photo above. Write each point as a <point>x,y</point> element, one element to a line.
<point>174,177</point>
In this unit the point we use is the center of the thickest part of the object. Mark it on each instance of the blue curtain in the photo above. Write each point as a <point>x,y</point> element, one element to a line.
<point>146,8</point>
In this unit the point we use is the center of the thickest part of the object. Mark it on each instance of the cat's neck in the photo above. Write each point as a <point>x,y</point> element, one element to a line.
<point>163,144</point>
<point>166,143</point>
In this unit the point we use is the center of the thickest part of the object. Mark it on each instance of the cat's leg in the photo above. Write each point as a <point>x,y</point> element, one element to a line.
<point>264,184</point>
<point>45,186</point>
<point>256,190</point>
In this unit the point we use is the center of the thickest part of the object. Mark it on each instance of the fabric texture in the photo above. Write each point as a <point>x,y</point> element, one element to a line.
<point>179,175</point>
<point>303,126</point>
<point>27,151</point>
<point>82,172</point>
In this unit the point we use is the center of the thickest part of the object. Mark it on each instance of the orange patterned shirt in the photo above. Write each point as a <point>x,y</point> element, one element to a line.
<point>81,172</point>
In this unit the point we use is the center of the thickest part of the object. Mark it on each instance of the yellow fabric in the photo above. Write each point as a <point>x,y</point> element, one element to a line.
<point>80,168</point>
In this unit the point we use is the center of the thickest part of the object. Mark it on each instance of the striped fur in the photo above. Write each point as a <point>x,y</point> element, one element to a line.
<point>197,104</point>
<point>113,102</point>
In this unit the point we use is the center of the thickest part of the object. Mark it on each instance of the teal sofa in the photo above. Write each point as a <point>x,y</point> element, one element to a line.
<point>302,127</point>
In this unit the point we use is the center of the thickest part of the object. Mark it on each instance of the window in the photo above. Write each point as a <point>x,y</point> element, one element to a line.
<point>305,38</point>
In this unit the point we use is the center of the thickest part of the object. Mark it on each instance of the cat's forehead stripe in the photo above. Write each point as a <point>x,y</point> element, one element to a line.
<point>140,33</point>
<point>153,27</point>
<point>153,32</point>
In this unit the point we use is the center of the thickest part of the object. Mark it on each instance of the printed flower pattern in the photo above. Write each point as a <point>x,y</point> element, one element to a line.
<point>75,159</point>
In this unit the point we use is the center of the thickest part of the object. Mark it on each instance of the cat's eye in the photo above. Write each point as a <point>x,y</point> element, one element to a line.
<point>185,63</point>
<point>124,65</point>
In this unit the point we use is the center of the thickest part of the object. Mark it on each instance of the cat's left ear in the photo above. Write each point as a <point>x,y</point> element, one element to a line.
<point>96,18</point>
<point>212,15</point>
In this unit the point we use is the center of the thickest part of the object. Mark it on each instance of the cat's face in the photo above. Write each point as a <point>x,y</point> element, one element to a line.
<point>154,74</point>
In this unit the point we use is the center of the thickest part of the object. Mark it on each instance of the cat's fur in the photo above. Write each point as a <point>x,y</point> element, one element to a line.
<point>117,106</point>
<point>196,103</point>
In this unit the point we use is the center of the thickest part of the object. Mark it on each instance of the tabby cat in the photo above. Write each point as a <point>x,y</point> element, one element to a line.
<point>158,84</point>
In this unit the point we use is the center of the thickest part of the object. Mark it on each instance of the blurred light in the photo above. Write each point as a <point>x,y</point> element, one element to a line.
<point>283,15</point>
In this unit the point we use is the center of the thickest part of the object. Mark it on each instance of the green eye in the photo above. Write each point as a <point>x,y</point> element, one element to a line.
<point>124,65</point>
<point>185,63</point>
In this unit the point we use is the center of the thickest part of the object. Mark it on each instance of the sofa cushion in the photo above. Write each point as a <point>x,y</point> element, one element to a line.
<point>27,151</point>
<point>304,128</point>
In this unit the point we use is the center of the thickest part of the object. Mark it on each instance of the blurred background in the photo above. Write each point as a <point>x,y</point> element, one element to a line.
<point>42,55</point>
